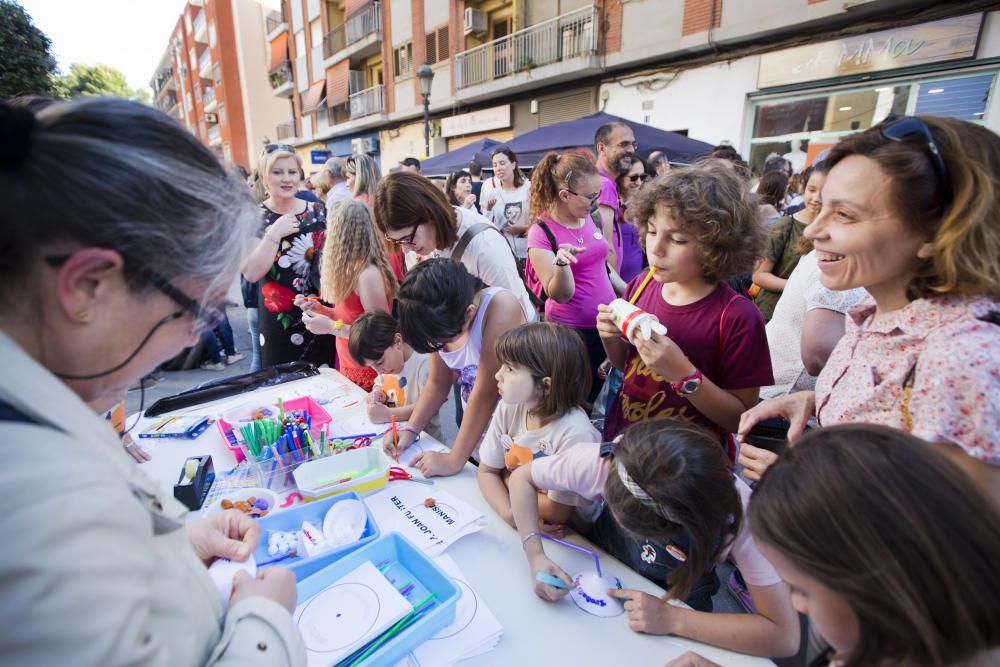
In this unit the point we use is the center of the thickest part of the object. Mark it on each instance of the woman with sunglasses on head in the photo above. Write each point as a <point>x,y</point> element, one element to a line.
<point>362,176</point>
<point>413,214</point>
<point>629,183</point>
<point>123,268</point>
<point>909,213</point>
<point>567,251</point>
<point>458,189</point>
<point>285,263</point>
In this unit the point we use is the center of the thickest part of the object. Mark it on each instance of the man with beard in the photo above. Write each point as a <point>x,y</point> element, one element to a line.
<point>615,143</point>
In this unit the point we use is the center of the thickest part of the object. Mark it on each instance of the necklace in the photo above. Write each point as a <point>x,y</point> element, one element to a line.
<point>575,232</point>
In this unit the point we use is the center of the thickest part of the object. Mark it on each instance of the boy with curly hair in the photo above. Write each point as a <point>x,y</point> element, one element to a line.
<point>700,228</point>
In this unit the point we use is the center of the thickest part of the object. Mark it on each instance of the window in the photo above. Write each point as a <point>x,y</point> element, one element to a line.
<point>963,98</point>
<point>222,114</point>
<point>217,73</point>
<point>187,102</point>
<point>211,34</point>
<point>437,45</point>
<point>402,59</point>
<point>227,153</point>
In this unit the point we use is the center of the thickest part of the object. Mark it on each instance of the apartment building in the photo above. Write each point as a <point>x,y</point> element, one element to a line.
<point>213,77</point>
<point>768,76</point>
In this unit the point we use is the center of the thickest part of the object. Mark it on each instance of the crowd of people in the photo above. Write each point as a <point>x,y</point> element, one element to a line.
<point>819,412</point>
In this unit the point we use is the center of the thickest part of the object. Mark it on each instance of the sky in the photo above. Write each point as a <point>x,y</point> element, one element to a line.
<point>129,35</point>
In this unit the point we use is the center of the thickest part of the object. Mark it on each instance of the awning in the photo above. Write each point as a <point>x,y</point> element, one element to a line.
<point>338,87</point>
<point>313,96</point>
<point>279,51</point>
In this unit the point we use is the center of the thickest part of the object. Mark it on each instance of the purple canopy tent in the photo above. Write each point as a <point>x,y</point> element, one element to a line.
<point>530,147</point>
<point>444,164</point>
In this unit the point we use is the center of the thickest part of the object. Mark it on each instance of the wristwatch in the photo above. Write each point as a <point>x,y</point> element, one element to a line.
<point>688,385</point>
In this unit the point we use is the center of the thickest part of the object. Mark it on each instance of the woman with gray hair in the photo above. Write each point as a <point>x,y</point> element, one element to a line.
<point>121,235</point>
<point>362,176</point>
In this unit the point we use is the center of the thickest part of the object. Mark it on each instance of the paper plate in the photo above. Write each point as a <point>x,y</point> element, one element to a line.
<point>590,593</point>
<point>338,617</point>
<point>345,522</point>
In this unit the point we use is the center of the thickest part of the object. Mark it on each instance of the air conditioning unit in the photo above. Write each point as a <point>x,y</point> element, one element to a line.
<point>364,145</point>
<point>476,21</point>
<point>212,118</point>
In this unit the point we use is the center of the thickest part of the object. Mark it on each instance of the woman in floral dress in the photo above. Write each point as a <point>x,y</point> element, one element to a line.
<point>286,263</point>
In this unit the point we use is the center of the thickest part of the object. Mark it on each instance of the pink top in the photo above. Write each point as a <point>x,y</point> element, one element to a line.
<point>581,470</point>
<point>590,277</point>
<point>955,358</point>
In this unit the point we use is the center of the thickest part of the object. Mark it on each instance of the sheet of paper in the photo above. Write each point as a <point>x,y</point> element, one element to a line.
<point>403,507</point>
<point>348,614</point>
<point>474,631</point>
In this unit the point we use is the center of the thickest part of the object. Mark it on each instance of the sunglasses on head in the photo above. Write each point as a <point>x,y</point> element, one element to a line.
<point>910,129</point>
<point>270,148</point>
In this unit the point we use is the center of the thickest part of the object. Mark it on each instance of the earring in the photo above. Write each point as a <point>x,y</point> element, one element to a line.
<point>82,315</point>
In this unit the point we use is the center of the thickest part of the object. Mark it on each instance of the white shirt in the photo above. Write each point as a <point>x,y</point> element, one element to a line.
<point>511,207</point>
<point>411,380</point>
<point>803,292</point>
<point>337,194</point>
<point>489,258</point>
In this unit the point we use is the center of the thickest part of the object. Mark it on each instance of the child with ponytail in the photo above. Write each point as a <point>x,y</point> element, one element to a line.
<point>568,252</point>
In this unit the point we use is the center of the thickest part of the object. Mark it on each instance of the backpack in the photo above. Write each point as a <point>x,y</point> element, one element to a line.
<point>474,230</point>
<point>531,279</point>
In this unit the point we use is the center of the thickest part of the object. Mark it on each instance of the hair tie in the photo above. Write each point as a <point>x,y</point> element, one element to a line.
<point>16,126</point>
<point>640,494</point>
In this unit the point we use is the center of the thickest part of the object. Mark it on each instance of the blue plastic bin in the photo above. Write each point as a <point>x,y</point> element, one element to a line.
<point>405,562</point>
<point>314,512</point>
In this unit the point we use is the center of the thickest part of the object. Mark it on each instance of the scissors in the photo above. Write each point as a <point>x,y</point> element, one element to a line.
<point>397,474</point>
<point>348,444</point>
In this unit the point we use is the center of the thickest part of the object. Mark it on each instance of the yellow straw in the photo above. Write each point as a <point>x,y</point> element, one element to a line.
<point>642,286</point>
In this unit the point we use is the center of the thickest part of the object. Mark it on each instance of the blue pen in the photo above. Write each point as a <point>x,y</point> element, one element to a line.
<point>551,580</point>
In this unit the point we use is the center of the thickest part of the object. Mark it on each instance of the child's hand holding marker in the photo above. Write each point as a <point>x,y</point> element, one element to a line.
<point>545,574</point>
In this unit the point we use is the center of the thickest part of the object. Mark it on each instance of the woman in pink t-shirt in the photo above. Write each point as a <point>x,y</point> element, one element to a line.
<point>572,264</point>
<point>673,511</point>
<point>909,214</point>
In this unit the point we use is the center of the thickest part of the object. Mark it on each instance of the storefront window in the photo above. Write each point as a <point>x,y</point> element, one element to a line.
<point>790,126</point>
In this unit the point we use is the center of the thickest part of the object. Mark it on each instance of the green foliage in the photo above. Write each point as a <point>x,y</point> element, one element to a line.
<point>98,80</point>
<point>26,64</point>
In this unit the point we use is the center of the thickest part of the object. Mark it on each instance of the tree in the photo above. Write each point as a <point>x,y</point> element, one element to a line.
<point>26,64</point>
<point>98,80</point>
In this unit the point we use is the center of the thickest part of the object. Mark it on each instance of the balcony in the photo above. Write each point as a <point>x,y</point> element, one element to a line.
<point>285,131</point>
<point>205,65</point>
<point>208,100</point>
<point>359,35</point>
<point>200,28</point>
<point>214,135</point>
<point>367,102</point>
<point>282,84</point>
<point>275,23</point>
<point>167,103</point>
<point>164,80</point>
<point>566,37</point>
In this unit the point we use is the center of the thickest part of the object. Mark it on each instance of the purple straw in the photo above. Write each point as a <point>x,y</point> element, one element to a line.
<point>597,561</point>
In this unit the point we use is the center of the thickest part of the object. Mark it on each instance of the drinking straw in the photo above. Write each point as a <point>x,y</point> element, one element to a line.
<point>597,561</point>
<point>642,286</point>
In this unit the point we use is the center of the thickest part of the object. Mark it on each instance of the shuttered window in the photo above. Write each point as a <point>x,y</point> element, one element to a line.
<point>437,45</point>
<point>402,59</point>
<point>567,107</point>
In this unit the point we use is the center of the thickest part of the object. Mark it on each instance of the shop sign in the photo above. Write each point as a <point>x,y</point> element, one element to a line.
<point>476,121</point>
<point>906,46</point>
<point>318,156</point>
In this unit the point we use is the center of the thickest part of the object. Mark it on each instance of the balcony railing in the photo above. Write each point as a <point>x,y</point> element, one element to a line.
<point>281,81</point>
<point>285,131</point>
<point>360,24</point>
<point>199,27</point>
<point>274,19</point>
<point>167,103</point>
<point>214,135</point>
<point>205,64</point>
<point>367,102</point>
<point>163,79</point>
<point>571,35</point>
<point>208,99</point>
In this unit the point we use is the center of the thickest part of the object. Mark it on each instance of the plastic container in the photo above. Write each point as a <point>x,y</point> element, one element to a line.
<point>362,471</point>
<point>230,421</point>
<point>402,562</point>
<point>229,437</point>
<point>292,518</point>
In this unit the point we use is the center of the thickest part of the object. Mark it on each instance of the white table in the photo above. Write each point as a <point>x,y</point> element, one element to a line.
<point>534,630</point>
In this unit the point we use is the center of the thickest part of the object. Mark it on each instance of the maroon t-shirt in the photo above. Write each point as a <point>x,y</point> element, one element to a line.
<point>732,353</point>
